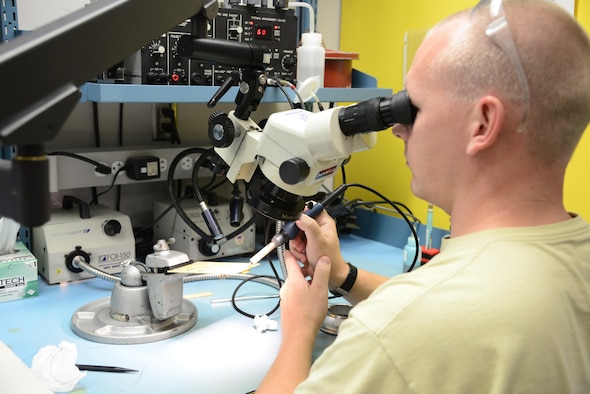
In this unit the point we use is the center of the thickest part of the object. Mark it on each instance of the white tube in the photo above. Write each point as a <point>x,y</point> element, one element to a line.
<point>311,13</point>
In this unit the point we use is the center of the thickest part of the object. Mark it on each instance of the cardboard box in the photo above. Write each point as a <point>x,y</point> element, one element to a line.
<point>18,274</point>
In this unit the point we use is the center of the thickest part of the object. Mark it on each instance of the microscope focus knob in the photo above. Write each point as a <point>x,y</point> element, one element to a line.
<point>111,227</point>
<point>221,130</point>
<point>293,171</point>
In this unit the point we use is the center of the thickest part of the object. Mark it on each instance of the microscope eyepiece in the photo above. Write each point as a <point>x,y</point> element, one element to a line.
<point>377,114</point>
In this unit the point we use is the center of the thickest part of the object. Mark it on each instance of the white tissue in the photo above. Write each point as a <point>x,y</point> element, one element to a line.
<point>8,231</point>
<point>57,366</point>
<point>263,323</point>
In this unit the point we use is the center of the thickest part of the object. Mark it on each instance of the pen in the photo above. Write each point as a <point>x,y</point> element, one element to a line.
<point>103,368</point>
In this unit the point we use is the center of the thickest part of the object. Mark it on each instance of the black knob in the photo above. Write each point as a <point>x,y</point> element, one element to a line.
<point>208,248</point>
<point>221,130</point>
<point>151,77</point>
<point>288,63</point>
<point>197,79</point>
<point>162,77</point>
<point>293,171</point>
<point>111,227</point>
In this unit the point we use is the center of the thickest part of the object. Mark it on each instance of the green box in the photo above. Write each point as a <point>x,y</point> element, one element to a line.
<point>18,274</point>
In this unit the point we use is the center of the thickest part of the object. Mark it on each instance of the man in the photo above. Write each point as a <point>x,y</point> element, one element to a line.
<point>505,306</point>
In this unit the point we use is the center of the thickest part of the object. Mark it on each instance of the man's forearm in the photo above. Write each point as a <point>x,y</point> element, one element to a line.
<point>366,282</point>
<point>290,367</point>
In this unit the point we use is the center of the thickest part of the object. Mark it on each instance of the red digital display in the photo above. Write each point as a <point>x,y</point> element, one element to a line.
<point>263,32</point>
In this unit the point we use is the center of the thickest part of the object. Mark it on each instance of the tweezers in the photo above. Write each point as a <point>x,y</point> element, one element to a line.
<point>103,368</point>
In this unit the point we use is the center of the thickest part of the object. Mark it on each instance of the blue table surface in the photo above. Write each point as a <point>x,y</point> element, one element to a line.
<point>222,353</point>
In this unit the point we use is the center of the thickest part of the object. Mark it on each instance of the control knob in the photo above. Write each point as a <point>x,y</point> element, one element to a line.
<point>111,227</point>
<point>288,62</point>
<point>221,130</point>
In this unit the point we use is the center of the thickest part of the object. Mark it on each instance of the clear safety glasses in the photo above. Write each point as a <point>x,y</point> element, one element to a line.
<point>499,32</point>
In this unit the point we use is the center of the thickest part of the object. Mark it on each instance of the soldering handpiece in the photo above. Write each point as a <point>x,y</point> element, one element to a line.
<point>287,233</point>
<point>290,230</point>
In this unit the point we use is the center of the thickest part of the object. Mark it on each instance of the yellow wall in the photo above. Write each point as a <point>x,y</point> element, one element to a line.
<point>377,34</point>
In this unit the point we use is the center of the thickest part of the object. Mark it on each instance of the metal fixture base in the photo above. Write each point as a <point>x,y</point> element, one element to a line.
<point>93,321</point>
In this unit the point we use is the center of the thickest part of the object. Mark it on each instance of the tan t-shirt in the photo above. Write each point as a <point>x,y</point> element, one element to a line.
<point>498,311</point>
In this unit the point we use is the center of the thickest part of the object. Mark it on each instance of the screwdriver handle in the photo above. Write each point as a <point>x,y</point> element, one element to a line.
<point>290,230</point>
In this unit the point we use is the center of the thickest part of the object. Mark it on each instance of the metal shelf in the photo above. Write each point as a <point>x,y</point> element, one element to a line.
<point>136,93</point>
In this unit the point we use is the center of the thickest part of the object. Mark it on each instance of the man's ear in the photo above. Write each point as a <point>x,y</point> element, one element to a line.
<point>489,119</point>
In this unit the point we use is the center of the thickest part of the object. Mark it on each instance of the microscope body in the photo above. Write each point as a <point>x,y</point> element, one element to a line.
<point>296,151</point>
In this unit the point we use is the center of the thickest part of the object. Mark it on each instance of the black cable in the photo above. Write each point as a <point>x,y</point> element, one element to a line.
<point>400,212</point>
<point>210,183</point>
<point>370,204</point>
<point>94,202</point>
<point>292,86</point>
<point>291,103</point>
<point>181,212</point>
<point>119,188</point>
<point>242,283</point>
<point>266,237</point>
<point>279,84</point>
<point>95,122</point>
<point>99,167</point>
<point>299,97</point>
<point>171,114</point>
<point>172,194</point>
<point>120,132</point>
<point>343,171</point>
<point>93,189</point>
<point>280,281</point>
<point>198,164</point>
<point>276,276</point>
<point>195,176</point>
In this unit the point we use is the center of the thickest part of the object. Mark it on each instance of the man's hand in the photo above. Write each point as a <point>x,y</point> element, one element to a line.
<point>318,238</point>
<point>304,305</point>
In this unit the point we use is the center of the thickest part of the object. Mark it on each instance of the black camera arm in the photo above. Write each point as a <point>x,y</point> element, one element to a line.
<point>40,75</point>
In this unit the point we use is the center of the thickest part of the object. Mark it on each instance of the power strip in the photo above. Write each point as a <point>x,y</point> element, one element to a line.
<point>70,173</point>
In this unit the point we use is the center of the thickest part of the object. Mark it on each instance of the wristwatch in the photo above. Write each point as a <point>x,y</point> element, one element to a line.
<point>345,287</point>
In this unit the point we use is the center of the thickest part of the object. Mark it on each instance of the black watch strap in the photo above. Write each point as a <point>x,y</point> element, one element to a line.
<point>345,288</point>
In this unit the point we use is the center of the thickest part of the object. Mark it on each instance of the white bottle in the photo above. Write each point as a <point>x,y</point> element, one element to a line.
<point>410,252</point>
<point>311,57</point>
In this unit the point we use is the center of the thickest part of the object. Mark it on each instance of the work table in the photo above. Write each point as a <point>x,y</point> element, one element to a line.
<point>222,353</point>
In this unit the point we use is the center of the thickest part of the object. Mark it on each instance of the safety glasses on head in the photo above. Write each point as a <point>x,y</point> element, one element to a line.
<point>498,31</point>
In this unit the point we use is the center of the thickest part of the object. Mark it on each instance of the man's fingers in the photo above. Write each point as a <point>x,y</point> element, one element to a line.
<point>292,264</point>
<point>309,226</point>
<point>321,274</point>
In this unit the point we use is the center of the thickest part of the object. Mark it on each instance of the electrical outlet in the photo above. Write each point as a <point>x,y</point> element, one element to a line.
<point>163,165</point>
<point>165,122</point>
<point>186,163</point>
<point>116,166</point>
<point>99,174</point>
